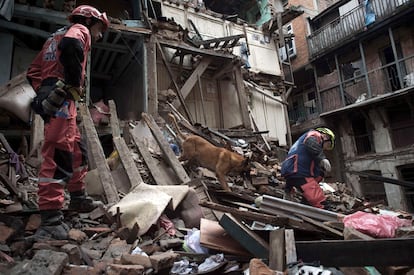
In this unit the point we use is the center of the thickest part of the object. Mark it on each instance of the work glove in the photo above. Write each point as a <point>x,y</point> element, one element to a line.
<point>54,101</point>
<point>72,92</point>
<point>46,103</point>
<point>325,165</point>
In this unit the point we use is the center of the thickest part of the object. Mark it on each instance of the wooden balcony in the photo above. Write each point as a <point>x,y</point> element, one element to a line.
<point>349,25</point>
<point>334,94</point>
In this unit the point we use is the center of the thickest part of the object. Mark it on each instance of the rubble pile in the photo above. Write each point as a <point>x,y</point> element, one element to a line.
<point>159,226</point>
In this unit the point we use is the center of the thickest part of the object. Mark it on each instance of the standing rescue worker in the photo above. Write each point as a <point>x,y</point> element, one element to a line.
<point>57,75</point>
<point>306,164</point>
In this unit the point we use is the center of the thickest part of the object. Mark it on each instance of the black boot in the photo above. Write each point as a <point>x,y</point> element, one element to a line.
<point>52,226</point>
<point>82,203</point>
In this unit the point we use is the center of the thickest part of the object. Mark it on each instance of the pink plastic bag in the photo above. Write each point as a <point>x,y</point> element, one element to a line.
<point>381,226</point>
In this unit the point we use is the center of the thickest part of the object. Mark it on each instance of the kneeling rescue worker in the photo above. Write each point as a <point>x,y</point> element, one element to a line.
<point>306,164</point>
<point>57,75</point>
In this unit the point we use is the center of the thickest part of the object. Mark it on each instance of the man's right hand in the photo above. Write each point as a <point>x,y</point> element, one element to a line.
<point>325,165</point>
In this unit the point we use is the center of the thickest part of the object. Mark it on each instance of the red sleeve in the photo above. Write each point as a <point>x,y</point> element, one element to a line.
<point>34,73</point>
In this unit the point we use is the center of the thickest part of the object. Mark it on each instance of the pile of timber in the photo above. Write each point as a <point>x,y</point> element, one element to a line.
<point>162,217</point>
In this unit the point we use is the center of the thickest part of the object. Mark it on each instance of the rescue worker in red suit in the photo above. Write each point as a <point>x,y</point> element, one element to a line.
<point>306,164</point>
<point>57,75</point>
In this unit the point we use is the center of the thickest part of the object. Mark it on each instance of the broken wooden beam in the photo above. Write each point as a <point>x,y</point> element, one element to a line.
<point>169,155</point>
<point>170,73</point>
<point>116,132</point>
<point>247,238</point>
<point>192,80</point>
<point>97,153</point>
<point>250,215</point>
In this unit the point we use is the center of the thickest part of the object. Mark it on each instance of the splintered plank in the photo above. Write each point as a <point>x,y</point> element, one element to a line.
<point>124,153</point>
<point>247,238</point>
<point>98,156</point>
<point>146,155</point>
<point>169,155</point>
<point>269,219</point>
<point>213,236</point>
<point>114,119</point>
<point>127,162</point>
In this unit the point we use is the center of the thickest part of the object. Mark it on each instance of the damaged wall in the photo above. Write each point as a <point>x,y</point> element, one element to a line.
<point>383,159</point>
<point>269,115</point>
<point>263,55</point>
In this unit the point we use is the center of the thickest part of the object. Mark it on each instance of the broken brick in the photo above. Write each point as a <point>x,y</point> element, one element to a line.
<point>33,223</point>
<point>73,252</point>
<point>163,260</point>
<point>5,233</point>
<point>43,262</point>
<point>115,269</point>
<point>136,259</point>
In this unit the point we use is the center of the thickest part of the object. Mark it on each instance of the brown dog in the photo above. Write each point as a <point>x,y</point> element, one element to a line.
<point>217,159</point>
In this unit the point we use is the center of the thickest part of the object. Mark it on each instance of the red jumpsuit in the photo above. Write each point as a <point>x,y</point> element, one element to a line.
<point>63,57</point>
<point>301,168</point>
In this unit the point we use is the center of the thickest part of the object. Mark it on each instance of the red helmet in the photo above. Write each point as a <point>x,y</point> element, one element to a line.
<point>88,12</point>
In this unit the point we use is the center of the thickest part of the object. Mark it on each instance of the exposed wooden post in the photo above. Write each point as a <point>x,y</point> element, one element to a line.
<point>277,249</point>
<point>243,102</point>
<point>177,89</point>
<point>97,153</point>
<point>152,76</point>
<point>192,80</point>
<point>169,155</point>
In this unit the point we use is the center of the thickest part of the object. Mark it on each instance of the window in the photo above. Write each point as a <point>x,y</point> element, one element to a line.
<point>362,135</point>
<point>401,125</point>
<point>351,70</point>
<point>407,174</point>
<point>289,50</point>
<point>373,190</point>
<point>310,103</point>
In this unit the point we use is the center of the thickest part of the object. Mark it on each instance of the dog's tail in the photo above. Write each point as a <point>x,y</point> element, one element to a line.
<point>180,134</point>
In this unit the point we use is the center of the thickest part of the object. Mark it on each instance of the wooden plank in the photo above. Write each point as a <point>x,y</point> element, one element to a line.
<point>36,132</point>
<point>169,155</point>
<point>351,253</point>
<point>290,245</point>
<point>152,86</point>
<point>213,236</point>
<point>277,221</point>
<point>277,250</point>
<point>242,97</point>
<point>195,51</point>
<point>192,80</point>
<point>128,162</point>
<point>248,239</point>
<point>321,225</point>
<point>116,132</point>
<point>149,160</point>
<point>199,187</point>
<point>8,184</point>
<point>98,156</point>
<point>177,89</point>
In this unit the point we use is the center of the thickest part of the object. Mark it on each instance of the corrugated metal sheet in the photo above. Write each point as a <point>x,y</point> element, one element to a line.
<point>273,205</point>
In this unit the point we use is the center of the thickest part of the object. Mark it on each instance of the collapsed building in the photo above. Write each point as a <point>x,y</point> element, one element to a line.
<point>352,63</point>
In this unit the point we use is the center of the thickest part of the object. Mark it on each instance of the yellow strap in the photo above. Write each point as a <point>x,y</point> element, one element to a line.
<point>74,93</point>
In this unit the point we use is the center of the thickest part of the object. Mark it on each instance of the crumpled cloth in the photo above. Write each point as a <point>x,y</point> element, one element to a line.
<point>183,267</point>
<point>381,226</point>
<point>211,263</point>
<point>167,224</point>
